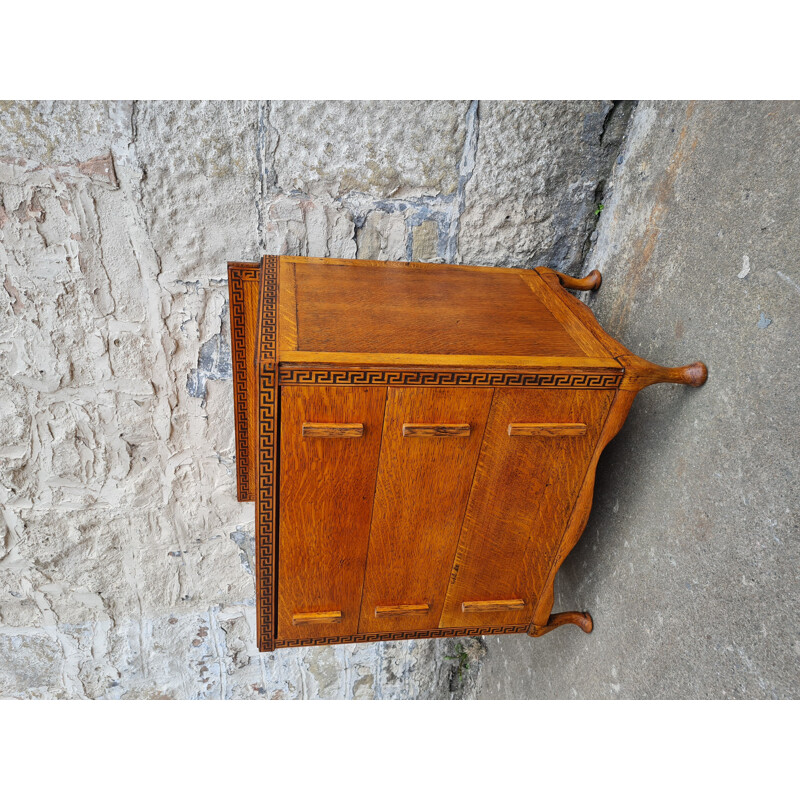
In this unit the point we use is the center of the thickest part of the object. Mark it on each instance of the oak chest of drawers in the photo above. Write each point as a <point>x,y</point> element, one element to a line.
<point>420,441</point>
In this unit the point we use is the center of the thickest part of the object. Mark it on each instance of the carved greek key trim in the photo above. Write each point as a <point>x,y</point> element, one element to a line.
<point>268,311</point>
<point>238,275</point>
<point>266,490</point>
<point>395,636</point>
<point>301,376</point>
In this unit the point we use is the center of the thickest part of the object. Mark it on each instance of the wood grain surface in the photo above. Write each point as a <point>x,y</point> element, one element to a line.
<point>546,429</point>
<point>317,618</point>
<point>524,490</point>
<point>438,308</point>
<point>514,363</point>
<point>409,610</point>
<point>421,495</point>
<point>617,414</point>
<point>431,429</point>
<point>333,430</point>
<point>573,324</point>
<point>287,319</point>
<point>489,606</point>
<point>327,487</point>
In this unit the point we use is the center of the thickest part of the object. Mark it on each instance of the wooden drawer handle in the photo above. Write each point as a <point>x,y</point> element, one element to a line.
<point>333,430</point>
<point>402,611</point>
<point>472,606</point>
<point>434,429</point>
<point>316,617</point>
<point>546,429</point>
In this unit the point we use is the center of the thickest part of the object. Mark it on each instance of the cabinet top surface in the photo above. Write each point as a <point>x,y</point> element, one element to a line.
<point>344,308</point>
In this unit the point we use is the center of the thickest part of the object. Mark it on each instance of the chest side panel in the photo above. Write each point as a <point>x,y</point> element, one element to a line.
<point>330,439</point>
<point>535,453</point>
<point>430,445</point>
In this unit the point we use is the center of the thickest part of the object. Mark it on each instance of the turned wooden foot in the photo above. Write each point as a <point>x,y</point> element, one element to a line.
<point>580,618</point>
<point>640,373</point>
<point>591,283</point>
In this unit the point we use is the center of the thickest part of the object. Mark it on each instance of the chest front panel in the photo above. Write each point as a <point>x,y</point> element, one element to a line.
<point>327,485</point>
<point>431,441</point>
<point>408,509</point>
<point>535,453</point>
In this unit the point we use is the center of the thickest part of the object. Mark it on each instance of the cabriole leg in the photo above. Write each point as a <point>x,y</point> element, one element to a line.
<point>591,283</point>
<point>580,618</point>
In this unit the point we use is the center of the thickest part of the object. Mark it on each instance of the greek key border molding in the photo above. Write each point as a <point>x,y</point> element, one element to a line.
<point>266,505</point>
<point>238,275</point>
<point>302,376</point>
<point>395,636</point>
<point>268,311</point>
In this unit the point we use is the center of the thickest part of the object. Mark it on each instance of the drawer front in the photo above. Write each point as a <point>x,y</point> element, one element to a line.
<point>534,457</point>
<point>431,441</point>
<point>330,439</point>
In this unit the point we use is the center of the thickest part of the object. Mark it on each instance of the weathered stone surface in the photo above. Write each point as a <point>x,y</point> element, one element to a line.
<point>689,563</point>
<point>530,200</point>
<point>425,241</point>
<point>200,184</point>
<point>31,666</point>
<point>382,237</point>
<point>383,149</point>
<point>126,564</point>
<point>301,226</point>
<point>60,132</point>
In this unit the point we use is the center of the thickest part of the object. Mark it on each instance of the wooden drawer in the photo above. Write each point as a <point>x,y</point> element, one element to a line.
<point>535,454</point>
<point>327,483</point>
<point>431,441</point>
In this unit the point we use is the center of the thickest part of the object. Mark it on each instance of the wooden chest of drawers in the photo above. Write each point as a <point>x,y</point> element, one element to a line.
<point>420,441</point>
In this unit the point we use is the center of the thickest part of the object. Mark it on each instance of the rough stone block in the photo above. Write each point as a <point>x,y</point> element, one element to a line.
<point>383,149</point>
<point>531,197</point>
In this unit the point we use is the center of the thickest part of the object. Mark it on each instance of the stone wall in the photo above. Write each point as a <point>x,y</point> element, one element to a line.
<point>126,564</point>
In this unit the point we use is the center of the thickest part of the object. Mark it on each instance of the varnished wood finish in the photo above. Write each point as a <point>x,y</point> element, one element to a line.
<point>421,494</point>
<point>327,488</point>
<point>546,429</point>
<point>547,364</point>
<point>243,280</point>
<point>490,606</point>
<point>591,283</point>
<point>640,373</point>
<point>580,618</point>
<point>579,515</point>
<point>333,430</point>
<point>523,492</point>
<point>572,324</point>
<point>402,611</point>
<point>427,429</point>
<point>486,397</point>
<point>445,309</point>
<point>317,618</point>
<point>288,308</point>
<point>579,310</point>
